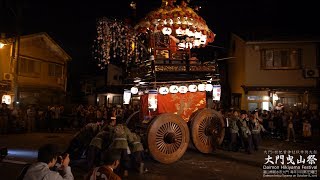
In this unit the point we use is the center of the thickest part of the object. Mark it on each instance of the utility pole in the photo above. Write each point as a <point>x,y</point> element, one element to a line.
<point>15,64</point>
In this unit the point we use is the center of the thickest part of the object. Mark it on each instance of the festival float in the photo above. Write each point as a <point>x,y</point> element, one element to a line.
<point>173,86</point>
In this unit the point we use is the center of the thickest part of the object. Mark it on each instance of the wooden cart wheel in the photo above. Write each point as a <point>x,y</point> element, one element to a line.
<point>132,120</point>
<point>168,138</point>
<point>207,130</point>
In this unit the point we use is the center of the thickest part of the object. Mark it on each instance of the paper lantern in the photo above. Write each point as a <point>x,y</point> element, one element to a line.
<point>134,90</point>
<point>179,32</point>
<point>193,88</point>
<point>166,31</point>
<point>203,39</point>
<point>163,90</point>
<point>196,43</point>
<point>173,89</point>
<point>179,21</point>
<point>183,89</point>
<point>209,87</point>
<point>201,87</point>
<point>182,45</point>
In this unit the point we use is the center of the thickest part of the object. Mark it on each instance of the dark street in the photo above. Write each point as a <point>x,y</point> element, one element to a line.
<point>193,165</point>
<point>159,89</point>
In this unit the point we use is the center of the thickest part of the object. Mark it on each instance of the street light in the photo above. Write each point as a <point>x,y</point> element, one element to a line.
<point>5,41</point>
<point>14,43</point>
<point>1,45</point>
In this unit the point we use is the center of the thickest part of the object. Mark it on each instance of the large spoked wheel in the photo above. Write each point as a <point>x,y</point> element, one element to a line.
<point>207,130</point>
<point>132,120</point>
<point>168,138</point>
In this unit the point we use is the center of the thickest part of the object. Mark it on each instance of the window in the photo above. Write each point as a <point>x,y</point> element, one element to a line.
<point>117,100</point>
<point>252,106</point>
<point>28,67</point>
<point>280,58</point>
<point>55,70</point>
<point>254,98</point>
<point>236,100</point>
<point>265,106</point>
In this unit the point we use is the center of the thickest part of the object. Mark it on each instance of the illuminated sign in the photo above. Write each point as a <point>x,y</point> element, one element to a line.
<point>152,100</point>
<point>216,92</point>
<point>6,99</point>
<point>126,97</point>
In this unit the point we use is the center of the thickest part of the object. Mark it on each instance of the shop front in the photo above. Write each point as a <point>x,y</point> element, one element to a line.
<point>280,98</point>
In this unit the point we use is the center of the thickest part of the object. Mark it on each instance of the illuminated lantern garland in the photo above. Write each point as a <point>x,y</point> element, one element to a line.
<point>173,89</point>
<point>117,41</point>
<point>180,22</point>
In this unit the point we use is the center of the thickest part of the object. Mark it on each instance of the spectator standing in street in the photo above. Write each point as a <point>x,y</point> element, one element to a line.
<point>245,132</point>
<point>284,127</point>
<point>48,117</point>
<point>31,119</point>
<point>255,127</point>
<point>265,119</point>
<point>306,130</point>
<point>234,131</point>
<point>315,121</point>
<point>55,117</point>
<point>290,129</point>
<point>62,121</point>
<point>4,118</point>
<point>47,158</point>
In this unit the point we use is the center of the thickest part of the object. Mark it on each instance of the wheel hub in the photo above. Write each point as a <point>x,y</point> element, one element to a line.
<point>169,138</point>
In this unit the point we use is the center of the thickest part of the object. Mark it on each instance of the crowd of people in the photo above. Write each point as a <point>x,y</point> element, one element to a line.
<point>111,148</point>
<point>247,129</point>
<point>54,118</point>
<point>31,118</point>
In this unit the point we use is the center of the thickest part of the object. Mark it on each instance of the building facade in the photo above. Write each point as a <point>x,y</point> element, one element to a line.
<point>104,87</point>
<point>270,73</point>
<point>34,70</point>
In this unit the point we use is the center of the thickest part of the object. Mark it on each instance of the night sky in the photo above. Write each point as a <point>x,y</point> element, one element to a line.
<point>72,23</point>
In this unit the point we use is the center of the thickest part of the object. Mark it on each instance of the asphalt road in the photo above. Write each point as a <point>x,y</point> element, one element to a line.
<point>193,165</point>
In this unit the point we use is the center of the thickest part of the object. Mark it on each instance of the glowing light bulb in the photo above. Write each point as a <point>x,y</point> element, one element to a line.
<point>166,31</point>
